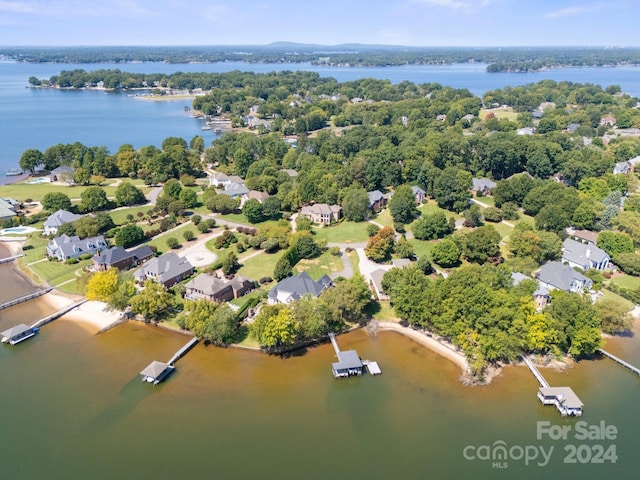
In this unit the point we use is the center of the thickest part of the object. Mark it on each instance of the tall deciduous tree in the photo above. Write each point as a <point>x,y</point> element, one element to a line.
<point>54,201</point>
<point>355,203</point>
<point>102,285</point>
<point>93,199</point>
<point>152,301</point>
<point>402,205</point>
<point>128,194</point>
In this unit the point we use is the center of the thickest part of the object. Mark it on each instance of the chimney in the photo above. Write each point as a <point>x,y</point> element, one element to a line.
<point>588,253</point>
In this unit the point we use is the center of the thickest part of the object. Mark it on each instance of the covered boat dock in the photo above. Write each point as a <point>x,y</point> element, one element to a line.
<point>18,334</point>
<point>156,372</point>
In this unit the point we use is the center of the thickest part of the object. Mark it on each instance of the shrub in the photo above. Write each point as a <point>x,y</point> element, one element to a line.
<point>85,256</point>
<point>203,227</point>
<point>188,235</point>
<point>264,280</point>
<point>172,242</point>
<point>72,261</point>
<point>372,229</point>
<point>196,219</point>
<point>492,214</point>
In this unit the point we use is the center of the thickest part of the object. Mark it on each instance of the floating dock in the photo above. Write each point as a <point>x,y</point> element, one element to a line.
<point>620,361</point>
<point>349,363</point>
<point>564,398</point>
<point>157,371</point>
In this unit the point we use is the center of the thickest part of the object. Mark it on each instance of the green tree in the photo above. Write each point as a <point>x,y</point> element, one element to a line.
<point>481,244</point>
<point>230,264</point>
<point>252,209</point>
<point>348,300</point>
<point>152,301</point>
<point>189,198</point>
<point>283,269</point>
<point>402,205</point>
<point>129,235</point>
<point>355,204</point>
<point>82,176</point>
<point>305,245</point>
<point>271,208</point>
<point>313,315</point>
<point>30,159</point>
<point>172,242</point>
<point>172,188</point>
<point>452,189</point>
<point>431,226</point>
<point>53,201</point>
<point>446,253</point>
<point>128,194</point>
<point>275,326</point>
<point>615,243</point>
<point>188,235</point>
<point>93,199</point>
<point>222,326</point>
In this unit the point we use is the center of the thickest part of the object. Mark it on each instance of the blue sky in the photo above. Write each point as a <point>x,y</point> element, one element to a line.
<point>328,22</point>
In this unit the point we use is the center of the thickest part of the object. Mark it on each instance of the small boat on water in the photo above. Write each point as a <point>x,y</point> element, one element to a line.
<point>14,172</point>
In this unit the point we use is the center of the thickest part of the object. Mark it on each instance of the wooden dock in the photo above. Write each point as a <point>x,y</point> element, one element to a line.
<point>620,361</point>
<point>188,346</point>
<point>25,298</point>
<point>58,314</point>
<point>536,373</point>
<point>334,342</point>
<point>10,259</point>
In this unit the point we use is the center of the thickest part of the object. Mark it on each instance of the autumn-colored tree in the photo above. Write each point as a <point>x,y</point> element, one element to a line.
<point>102,285</point>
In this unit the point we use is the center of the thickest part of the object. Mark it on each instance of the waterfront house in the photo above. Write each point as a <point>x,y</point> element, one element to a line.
<point>584,255</point>
<point>377,200</point>
<point>167,270</point>
<point>322,213</point>
<point>214,289</point>
<point>57,219</point>
<point>482,186</point>
<point>556,275</point>
<point>63,173</point>
<point>65,247</point>
<point>118,257</point>
<point>295,287</point>
<point>376,283</point>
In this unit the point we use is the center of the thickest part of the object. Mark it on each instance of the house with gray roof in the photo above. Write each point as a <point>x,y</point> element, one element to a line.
<point>377,200</point>
<point>7,209</point>
<point>57,219</point>
<point>295,287</point>
<point>235,190</point>
<point>167,270</point>
<point>621,168</point>
<point>584,255</point>
<point>419,194</point>
<point>65,247</point>
<point>118,257</point>
<point>482,185</point>
<point>556,275</point>
<point>321,213</point>
<point>214,289</point>
<point>63,173</point>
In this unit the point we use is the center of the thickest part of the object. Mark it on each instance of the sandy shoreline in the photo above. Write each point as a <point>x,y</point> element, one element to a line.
<point>429,342</point>
<point>92,315</point>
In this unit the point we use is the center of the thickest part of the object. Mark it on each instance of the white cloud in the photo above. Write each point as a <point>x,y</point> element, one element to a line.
<point>573,11</point>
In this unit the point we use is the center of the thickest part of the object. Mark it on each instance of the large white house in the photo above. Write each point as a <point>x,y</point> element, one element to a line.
<point>584,255</point>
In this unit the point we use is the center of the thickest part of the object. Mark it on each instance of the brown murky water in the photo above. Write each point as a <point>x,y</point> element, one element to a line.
<point>74,408</point>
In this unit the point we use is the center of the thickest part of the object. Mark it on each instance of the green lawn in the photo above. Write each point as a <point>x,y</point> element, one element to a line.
<point>500,113</point>
<point>120,216</point>
<point>385,312</point>
<point>344,232</point>
<point>384,218</point>
<point>160,242</point>
<point>240,218</point>
<point>325,264</point>
<point>56,273</point>
<point>422,248</point>
<point>617,298</point>
<point>626,281</point>
<point>22,191</point>
<point>260,266</point>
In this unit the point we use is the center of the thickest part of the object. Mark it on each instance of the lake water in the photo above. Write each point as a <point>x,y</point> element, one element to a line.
<point>74,406</point>
<point>34,118</point>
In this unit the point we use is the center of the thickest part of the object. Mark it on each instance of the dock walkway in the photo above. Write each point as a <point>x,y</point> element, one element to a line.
<point>620,361</point>
<point>183,350</point>
<point>58,314</point>
<point>536,373</point>
<point>10,259</point>
<point>334,342</point>
<point>25,298</point>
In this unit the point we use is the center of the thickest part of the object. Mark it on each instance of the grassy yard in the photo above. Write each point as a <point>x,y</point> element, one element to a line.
<point>385,312</point>
<point>500,113</point>
<point>344,232</point>
<point>120,216</point>
<point>240,218</point>
<point>260,266</point>
<point>626,281</point>
<point>617,298</point>
<point>22,191</point>
<point>325,264</point>
<point>422,248</point>
<point>160,242</point>
<point>384,218</point>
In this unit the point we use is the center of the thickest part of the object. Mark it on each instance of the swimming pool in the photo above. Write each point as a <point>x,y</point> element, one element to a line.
<point>40,180</point>
<point>9,231</point>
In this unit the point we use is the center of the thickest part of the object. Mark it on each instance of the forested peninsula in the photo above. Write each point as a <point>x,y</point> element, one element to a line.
<point>475,190</point>
<point>500,59</point>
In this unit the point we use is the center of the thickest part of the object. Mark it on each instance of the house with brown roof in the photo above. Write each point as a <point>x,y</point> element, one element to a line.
<point>322,213</point>
<point>214,289</point>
